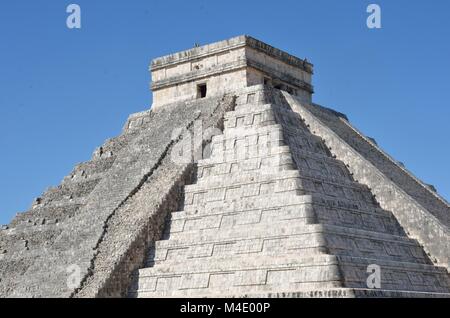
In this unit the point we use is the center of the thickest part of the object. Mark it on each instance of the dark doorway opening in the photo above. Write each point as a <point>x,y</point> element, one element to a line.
<point>201,91</point>
<point>278,86</point>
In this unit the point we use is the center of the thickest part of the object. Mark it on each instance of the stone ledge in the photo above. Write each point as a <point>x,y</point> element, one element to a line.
<point>230,67</point>
<point>196,75</point>
<point>322,293</point>
<point>227,45</point>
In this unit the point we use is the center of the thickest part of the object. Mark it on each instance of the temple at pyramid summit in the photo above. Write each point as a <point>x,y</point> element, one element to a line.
<point>233,184</point>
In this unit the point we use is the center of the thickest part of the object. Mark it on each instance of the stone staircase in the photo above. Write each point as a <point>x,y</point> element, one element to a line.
<point>31,234</point>
<point>274,214</point>
<point>85,222</point>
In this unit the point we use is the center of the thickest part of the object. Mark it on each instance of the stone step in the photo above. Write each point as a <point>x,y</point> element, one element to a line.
<point>193,277</point>
<point>255,134</point>
<point>263,115</point>
<point>64,202</point>
<point>319,164</point>
<point>264,237</point>
<point>271,164</point>
<point>281,246</point>
<point>288,187</point>
<point>235,157</point>
<point>248,109</point>
<point>90,169</point>
<point>283,115</point>
<point>252,115</point>
<point>322,204</point>
<point>287,181</point>
<point>18,241</point>
<point>276,200</point>
<point>301,142</point>
<point>181,221</point>
<point>279,200</point>
<point>395,275</point>
<point>239,262</point>
<point>241,179</point>
<point>249,147</point>
<point>252,145</point>
<point>301,272</point>
<point>112,146</point>
<point>241,231</point>
<point>281,270</point>
<point>279,182</point>
<point>96,166</point>
<point>35,228</point>
<point>69,191</point>
<point>289,119</point>
<point>246,148</point>
<point>251,95</point>
<point>244,153</point>
<point>308,164</point>
<point>377,220</point>
<point>221,289</point>
<point>275,168</point>
<point>46,214</point>
<point>77,179</point>
<point>299,293</point>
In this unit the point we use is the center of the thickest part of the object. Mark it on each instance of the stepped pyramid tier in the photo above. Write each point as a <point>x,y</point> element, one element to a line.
<point>234,184</point>
<point>272,213</point>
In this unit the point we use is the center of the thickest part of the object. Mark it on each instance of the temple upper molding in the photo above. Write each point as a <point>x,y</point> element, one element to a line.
<point>233,43</point>
<point>224,66</point>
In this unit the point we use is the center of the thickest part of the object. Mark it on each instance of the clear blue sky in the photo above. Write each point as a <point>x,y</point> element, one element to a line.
<point>63,92</point>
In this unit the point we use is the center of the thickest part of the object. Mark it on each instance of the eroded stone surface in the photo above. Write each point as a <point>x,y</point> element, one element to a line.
<point>273,212</point>
<point>284,198</point>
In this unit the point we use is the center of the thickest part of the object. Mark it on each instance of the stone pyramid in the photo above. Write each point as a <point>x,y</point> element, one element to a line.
<point>272,213</point>
<point>234,185</point>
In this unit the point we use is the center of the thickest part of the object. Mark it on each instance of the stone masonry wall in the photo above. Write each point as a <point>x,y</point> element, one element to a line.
<point>424,220</point>
<point>59,241</point>
<point>30,235</point>
<point>139,222</point>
